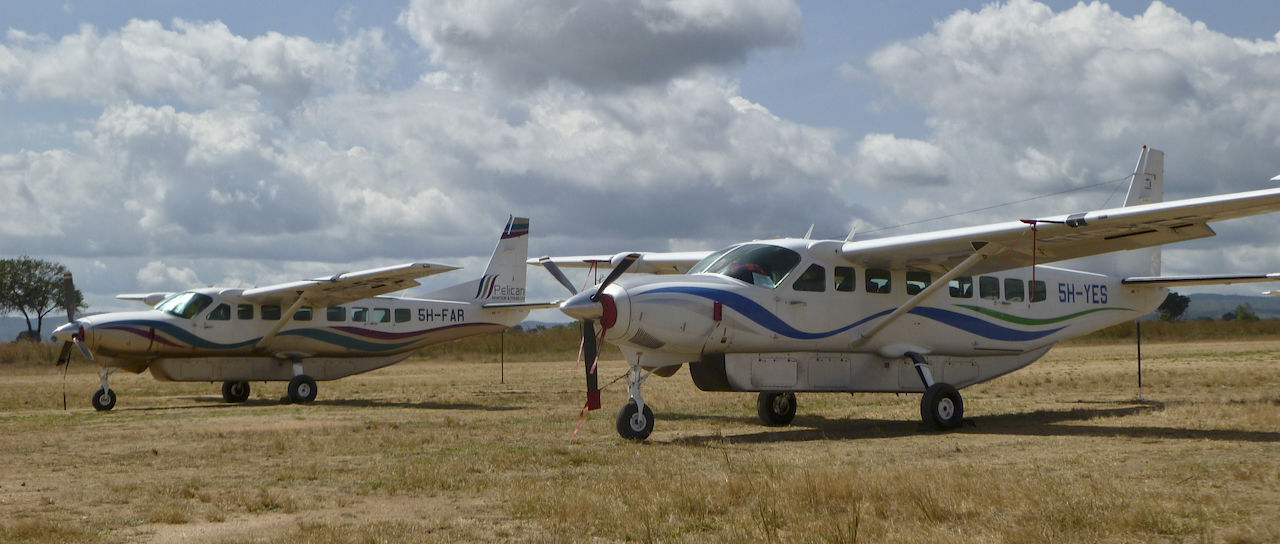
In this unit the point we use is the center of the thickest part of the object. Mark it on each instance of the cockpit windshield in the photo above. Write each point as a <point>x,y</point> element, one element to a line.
<point>186,304</point>
<point>758,264</point>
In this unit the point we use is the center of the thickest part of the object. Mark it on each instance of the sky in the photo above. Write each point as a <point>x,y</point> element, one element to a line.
<point>157,146</point>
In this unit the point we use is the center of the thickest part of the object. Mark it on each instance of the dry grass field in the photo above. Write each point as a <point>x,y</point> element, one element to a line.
<point>440,451</point>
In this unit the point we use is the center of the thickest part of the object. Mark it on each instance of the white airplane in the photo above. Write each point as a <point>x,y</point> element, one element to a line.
<point>300,332</point>
<point>932,313</point>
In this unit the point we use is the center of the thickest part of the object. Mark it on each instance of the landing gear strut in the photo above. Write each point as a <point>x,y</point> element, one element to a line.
<point>941,406</point>
<point>104,399</point>
<point>635,419</point>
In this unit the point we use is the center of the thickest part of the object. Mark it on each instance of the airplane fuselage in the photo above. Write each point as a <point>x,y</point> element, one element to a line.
<point>222,339</point>
<point>823,307</point>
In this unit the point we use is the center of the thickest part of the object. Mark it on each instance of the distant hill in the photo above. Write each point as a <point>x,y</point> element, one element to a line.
<point>10,326</point>
<point>1213,306</point>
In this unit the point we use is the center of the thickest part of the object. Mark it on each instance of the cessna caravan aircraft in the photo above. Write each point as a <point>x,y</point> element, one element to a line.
<point>929,313</point>
<point>300,332</point>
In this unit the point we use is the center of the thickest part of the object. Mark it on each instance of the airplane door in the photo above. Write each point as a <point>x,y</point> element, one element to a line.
<point>804,303</point>
<point>216,325</point>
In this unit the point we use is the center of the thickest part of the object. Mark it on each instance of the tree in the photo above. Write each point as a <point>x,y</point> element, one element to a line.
<point>1173,307</point>
<point>33,288</point>
<point>1242,312</point>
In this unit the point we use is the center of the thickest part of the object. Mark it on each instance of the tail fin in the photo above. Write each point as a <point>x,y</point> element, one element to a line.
<point>1146,187</point>
<point>504,278</point>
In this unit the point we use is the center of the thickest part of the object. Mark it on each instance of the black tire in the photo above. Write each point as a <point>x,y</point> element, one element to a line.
<point>235,392</point>
<point>776,409</point>
<point>103,399</point>
<point>302,389</point>
<point>632,423</point>
<point>942,406</point>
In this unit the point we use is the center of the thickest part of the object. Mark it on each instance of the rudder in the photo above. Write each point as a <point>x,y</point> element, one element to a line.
<point>504,278</point>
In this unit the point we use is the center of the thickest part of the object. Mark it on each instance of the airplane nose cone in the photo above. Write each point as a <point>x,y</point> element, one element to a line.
<point>580,306</point>
<point>64,332</point>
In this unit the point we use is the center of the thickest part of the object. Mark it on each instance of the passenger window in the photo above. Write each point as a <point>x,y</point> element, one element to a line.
<point>917,281</point>
<point>879,281</point>
<point>1038,291</point>
<point>1014,290</point>
<point>989,288</point>
<point>335,313</point>
<point>402,315</point>
<point>270,312</point>
<point>359,315</point>
<point>813,279</point>
<point>846,279</point>
<point>303,314</point>
<point>221,313</point>
<point>961,287</point>
<point>380,315</point>
<point>244,311</point>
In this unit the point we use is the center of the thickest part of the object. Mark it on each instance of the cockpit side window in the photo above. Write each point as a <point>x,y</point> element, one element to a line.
<point>221,313</point>
<point>813,279</point>
<point>757,264</point>
<point>186,305</point>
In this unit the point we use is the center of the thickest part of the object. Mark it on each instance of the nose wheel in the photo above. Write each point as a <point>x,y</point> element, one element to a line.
<point>635,419</point>
<point>633,422</point>
<point>104,398</point>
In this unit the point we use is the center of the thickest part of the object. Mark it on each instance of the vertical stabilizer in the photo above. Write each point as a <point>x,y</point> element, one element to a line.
<point>1146,187</point>
<point>504,278</point>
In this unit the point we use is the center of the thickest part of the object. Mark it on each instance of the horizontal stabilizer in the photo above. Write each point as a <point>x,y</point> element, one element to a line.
<point>1187,281</point>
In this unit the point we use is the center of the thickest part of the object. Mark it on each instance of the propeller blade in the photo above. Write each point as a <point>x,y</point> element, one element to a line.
<point>65,354</point>
<point>69,296</point>
<point>590,352</point>
<point>84,349</point>
<point>613,276</point>
<point>555,271</point>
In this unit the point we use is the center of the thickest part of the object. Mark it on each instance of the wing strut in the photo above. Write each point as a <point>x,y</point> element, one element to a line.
<point>982,251</point>
<point>284,320</point>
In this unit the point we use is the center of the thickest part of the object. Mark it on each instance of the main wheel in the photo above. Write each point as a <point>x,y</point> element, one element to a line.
<point>776,408</point>
<point>942,406</point>
<point>103,400</point>
<point>235,392</point>
<point>302,389</point>
<point>634,424</point>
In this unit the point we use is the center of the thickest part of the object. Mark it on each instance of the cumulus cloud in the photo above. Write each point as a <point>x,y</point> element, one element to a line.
<point>203,64</point>
<point>886,160</point>
<point>1020,93</point>
<point>159,277</point>
<point>597,44</point>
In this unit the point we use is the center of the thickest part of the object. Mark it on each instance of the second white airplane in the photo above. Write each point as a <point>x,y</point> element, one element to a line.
<point>300,332</point>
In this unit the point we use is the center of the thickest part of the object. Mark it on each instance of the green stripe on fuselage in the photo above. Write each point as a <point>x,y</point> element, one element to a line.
<point>1031,321</point>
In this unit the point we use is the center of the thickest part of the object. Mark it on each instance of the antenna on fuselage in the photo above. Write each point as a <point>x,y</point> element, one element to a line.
<point>854,231</point>
<point>810,233</point>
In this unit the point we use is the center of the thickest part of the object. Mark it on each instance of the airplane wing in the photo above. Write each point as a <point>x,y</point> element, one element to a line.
<point>677,262</point>
<point>1061,237</point>
<point>348,286</point>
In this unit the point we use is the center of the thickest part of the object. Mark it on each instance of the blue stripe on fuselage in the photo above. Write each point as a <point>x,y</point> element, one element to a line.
<point>763,317</point>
